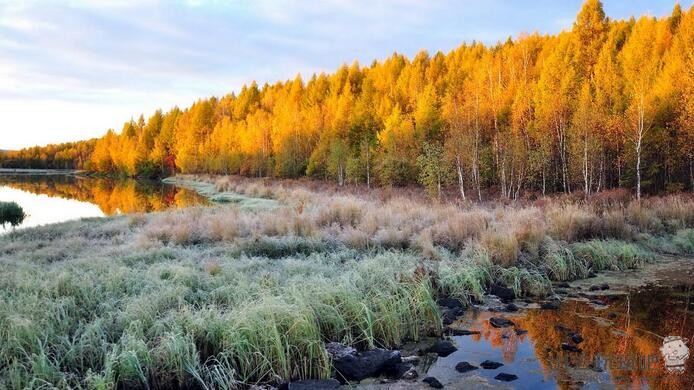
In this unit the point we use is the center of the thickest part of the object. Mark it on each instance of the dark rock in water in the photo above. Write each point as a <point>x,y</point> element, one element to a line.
<point>490,365</point>
<point>442,348</point>
<point>461,332</point>
<point>499,322</point>
<point>563,285</point>
<point>591,274</point>
<point>604,286</point>
<point>520,331</point>
<point>576,338</point>
<point>594,287</point>
<point>450,315</point>
<point>465,367</point>
<point>313,384</point>
<point>549,306</point>
<point>504,293</point>
<point>351,365</point>
<point>504,377</point>
<point>511,307</point>
<point>570,348</point>
<point>433,382</point>
<point>450,303</point>
<point>402,371</point>
<point>562,328</point>
<point>572,295</point>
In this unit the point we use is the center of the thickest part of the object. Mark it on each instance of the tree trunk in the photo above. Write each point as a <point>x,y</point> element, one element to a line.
<point>460,177</point>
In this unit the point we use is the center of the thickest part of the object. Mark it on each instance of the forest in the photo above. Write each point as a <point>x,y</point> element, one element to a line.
<point>608,103</point>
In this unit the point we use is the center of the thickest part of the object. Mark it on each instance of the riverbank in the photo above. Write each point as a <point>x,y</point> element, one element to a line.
<point>228,296</point>
<point>40,172</point>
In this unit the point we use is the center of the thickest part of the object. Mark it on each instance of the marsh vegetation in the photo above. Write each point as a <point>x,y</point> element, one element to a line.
<point>227,296</point>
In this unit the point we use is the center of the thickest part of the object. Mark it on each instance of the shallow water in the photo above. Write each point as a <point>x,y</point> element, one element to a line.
<point>620,336</point>
<point>58,198</point>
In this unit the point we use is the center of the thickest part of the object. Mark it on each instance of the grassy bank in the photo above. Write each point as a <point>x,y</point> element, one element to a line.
<point>225,296</point>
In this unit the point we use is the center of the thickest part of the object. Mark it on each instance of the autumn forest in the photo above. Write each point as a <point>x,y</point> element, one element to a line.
<point>608,104</point>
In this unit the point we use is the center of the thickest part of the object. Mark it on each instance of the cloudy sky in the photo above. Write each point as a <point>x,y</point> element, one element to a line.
<point>71,69</point>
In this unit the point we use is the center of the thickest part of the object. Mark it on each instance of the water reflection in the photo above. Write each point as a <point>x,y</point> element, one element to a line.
<point>629,326</point>
<point>57,198</point>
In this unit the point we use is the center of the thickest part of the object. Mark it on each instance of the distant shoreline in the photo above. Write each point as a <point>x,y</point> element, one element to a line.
<point>23,171</point>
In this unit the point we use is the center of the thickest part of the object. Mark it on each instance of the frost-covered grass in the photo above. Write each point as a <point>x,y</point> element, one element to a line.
<point>220,297</point>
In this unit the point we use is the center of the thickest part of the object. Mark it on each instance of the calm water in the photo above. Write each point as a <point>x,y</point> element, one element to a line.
<point>629,325</point>
<point>58,198</point>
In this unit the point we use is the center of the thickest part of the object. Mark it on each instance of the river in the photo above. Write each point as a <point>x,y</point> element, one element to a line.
<point>56,198</point>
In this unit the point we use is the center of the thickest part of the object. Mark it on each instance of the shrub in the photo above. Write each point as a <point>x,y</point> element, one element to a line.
<point>11,213</point>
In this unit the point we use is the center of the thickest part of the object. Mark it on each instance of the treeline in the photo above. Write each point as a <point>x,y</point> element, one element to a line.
<point>609,103</point>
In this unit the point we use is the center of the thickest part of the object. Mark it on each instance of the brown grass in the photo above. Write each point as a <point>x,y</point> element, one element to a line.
<point>389,218</point>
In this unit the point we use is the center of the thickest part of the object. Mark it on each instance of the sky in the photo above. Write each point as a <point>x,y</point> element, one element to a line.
<point>71,69</point>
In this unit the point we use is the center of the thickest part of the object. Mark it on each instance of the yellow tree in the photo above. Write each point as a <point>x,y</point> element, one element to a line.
<point>641,59</point>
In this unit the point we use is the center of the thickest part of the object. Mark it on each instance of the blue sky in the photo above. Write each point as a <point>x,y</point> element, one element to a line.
<point>71,69</point>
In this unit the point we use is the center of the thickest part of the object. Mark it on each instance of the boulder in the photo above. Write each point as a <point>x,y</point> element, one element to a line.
<point>461,332</point>
<point>570,348</point>
<point>504,377</point>
<point>442,348</point>
<point>351,365</point>
<point>504,293</point>
<point>465,367</point>
<point>490,365</point>
<point>576,338</point>
<point>500,322</point>
<point>450,303</point>
<point>549,306</point>
<point>433,382</point>
<point>511,307</point>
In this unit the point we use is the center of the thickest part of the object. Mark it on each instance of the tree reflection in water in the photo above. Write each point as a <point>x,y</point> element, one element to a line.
<point>632,324</point>
<point>111,196</point>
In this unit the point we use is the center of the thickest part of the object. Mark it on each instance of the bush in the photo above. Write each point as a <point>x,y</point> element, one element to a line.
<point>11,213</point>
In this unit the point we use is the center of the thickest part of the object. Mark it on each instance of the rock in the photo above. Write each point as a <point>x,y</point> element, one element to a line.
<point>504,377</point>
<point>314,384</point>
<point>520,331</point>
<point>410,374</point>
<point>594,287</point>
<point>549,306</point>
<point>465,367</point>
<point>576,338</point>
<point>561,328</point>
<point>563,285</point>
<point>414,359</point>
<point>450,315</point>
<point>442,348</point>
<point>500,322</point>
<point>570,348</point>
<point>572,295</point>
<point>490,365</point>
<point>351,365</point>
<point>604,286</point>
<point>450,303</point>
<point>433,382</point>
<point>403,371</point>
<point>511,307</point>
<point>504,293</point>
<point>597,302</point>
<point>461,332</point>
<point>591,274</point>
